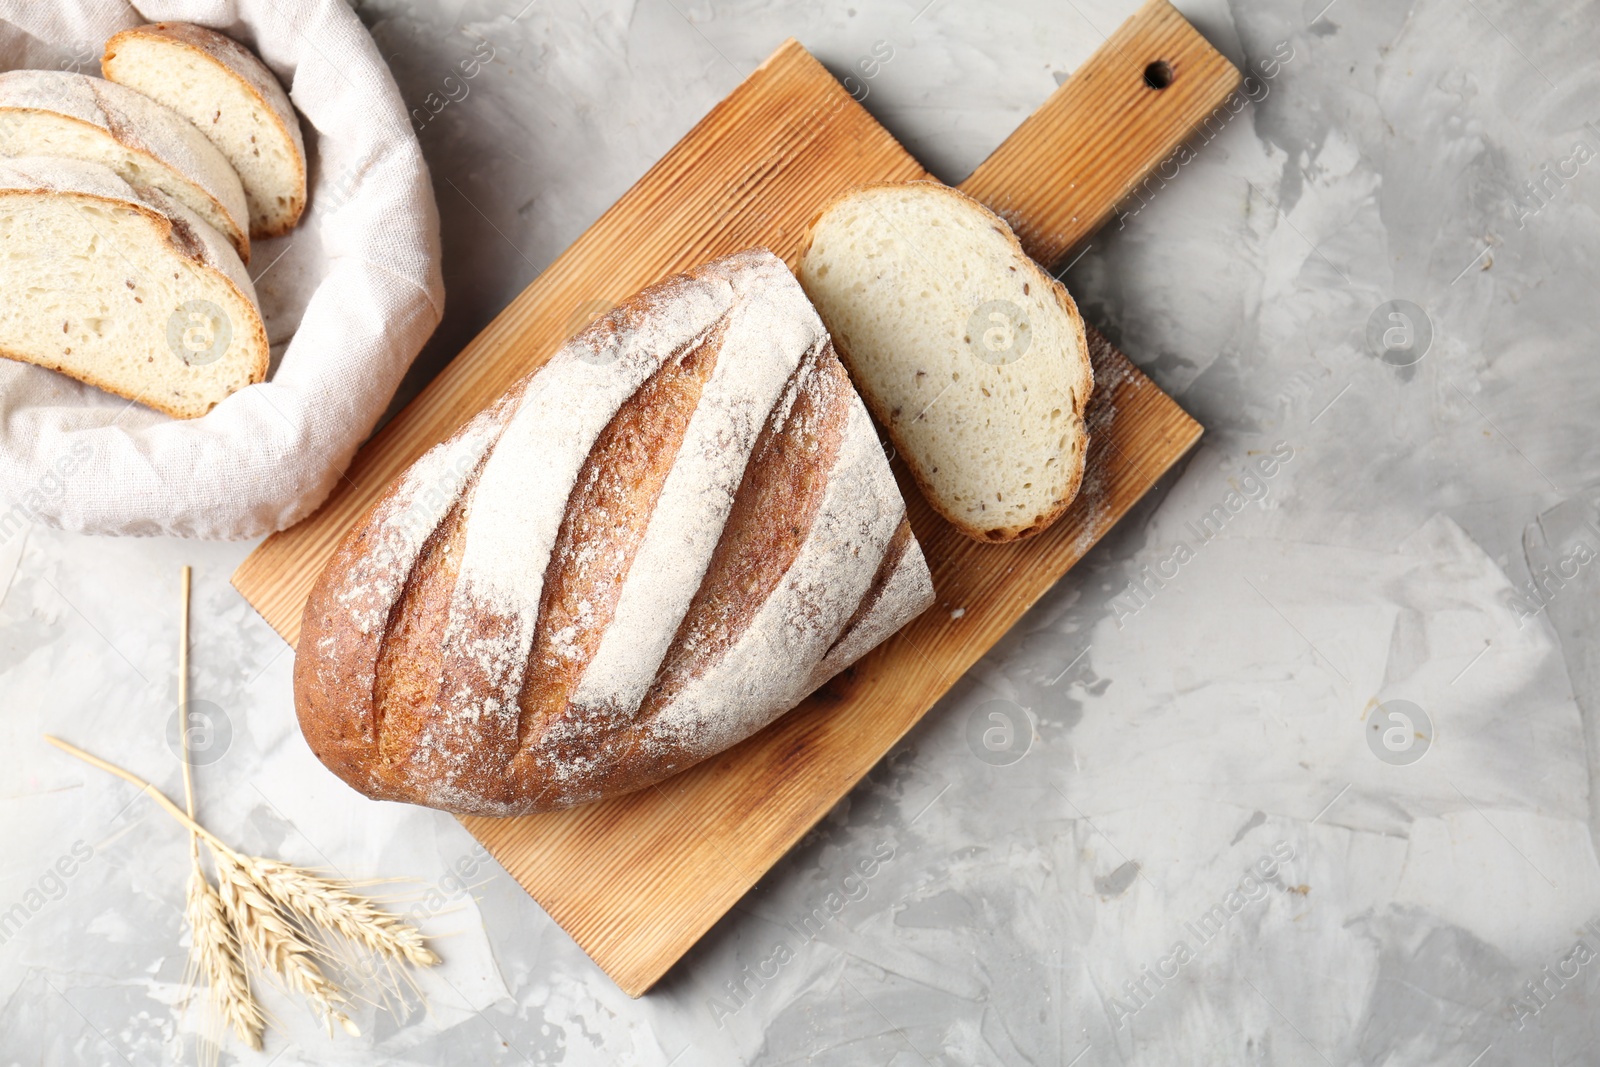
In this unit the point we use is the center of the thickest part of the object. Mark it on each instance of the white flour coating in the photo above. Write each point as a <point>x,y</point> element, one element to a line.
<point>238,61</point>
<point>407,516</point>
<point>907,593</point>
<point>771,328</point>
<point>143,142</point>
<point>537,442</point>
<point>767,670</point>
<point>513,518</point>
<point>519,501</point>
<point>402,522</point>
<point>514,515</point>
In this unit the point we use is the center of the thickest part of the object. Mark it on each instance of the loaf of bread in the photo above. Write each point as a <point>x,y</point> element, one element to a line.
<point>123,289</point>
<point>643,553</point>
<point>230,95</point>
<point>74,116</point>
<point>971,356</point>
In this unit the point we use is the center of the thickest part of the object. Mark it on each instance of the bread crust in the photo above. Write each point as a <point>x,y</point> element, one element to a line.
<point>730,439</point>
<point>1081,391</point>
<point>247,69</point>
<point>186,236</point>
<point>140,126</point>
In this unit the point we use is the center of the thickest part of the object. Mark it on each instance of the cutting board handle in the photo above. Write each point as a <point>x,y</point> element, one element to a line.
<point>1119,117</point>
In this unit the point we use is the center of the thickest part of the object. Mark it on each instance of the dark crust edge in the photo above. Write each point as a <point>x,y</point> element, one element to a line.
<point>1042,521</point>
<point>168,227</point>
<point>177,33</point>
<point>239,238</point>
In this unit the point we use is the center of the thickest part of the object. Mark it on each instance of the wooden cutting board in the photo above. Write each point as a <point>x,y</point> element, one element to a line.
<point>637,880</point>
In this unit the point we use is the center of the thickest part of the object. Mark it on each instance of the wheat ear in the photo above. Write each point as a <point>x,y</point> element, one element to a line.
<point>274,943</point>
<point>260,899</point>
<point>214,949</point>
<point>219,957</point>
<point>333,907</point>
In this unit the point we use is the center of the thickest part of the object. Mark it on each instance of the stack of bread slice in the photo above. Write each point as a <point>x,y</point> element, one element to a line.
<point>127,208</point>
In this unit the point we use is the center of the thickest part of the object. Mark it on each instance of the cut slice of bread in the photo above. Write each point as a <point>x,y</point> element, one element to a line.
<point>128,291</point>
<point>971,356</point>
<point>59,113</point>
<point>220,86</point>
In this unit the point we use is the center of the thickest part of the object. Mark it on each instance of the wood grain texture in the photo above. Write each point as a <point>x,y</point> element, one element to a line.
<point>1058,178</point>
<point>753,172</point>
<point>638,879</point>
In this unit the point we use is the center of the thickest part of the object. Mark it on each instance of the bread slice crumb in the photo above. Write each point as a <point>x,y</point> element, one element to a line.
<point>125,290</point>
<point>225,90</point>
<point>971,356</point>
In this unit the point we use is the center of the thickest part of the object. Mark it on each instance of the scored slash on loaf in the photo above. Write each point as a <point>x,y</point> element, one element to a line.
<point>643,553</point>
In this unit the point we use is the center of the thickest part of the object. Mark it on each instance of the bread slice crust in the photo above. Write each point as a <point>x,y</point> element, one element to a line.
<point>922,465</point>
<point>166,149</point>
<point>175,232</point>
<point>250,75</point>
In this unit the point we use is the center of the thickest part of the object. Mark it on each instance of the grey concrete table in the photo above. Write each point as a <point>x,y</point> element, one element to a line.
<point>1310,778</point>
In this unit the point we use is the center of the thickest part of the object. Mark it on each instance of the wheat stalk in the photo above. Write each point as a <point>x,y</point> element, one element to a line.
<point>333,907</point>
<point>216,954</point>
<point>267,906</point>
<point>214,950</point>
<point>274,942</point>
<point>261,899</point>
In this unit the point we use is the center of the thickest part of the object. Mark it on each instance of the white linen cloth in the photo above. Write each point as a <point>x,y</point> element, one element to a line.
<point>349,297</point>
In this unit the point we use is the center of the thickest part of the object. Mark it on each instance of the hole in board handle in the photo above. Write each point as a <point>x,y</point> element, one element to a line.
<point>1158,75</point>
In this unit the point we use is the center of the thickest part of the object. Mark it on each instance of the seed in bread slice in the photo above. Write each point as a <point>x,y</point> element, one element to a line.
<point>60,113</point>
<point>125,290</point>
<point>220,86</point>
<point>970,356</point>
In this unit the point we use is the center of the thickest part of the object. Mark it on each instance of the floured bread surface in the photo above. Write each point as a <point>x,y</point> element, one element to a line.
<point>74,116</point>
<point>235,101</point>
<point>970,355</point>
<point>128,291</point>
<point>645,552</point>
